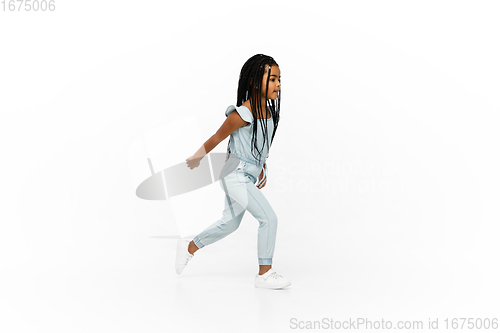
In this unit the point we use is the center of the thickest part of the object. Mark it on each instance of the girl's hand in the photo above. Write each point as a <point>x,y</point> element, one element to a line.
<point>262,178</point>
<point>193,162</point>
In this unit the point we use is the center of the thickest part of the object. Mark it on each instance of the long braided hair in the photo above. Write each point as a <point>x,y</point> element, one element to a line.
<point>250,87</point>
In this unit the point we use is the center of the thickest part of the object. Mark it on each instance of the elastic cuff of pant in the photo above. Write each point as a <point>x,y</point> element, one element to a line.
<point>198,242</point>
<point>265,261</point>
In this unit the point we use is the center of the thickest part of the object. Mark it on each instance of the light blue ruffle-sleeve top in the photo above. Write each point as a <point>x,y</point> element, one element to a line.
<point>240,141</point>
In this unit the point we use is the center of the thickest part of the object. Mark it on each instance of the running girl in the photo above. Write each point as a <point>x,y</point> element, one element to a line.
<point>251,129</point>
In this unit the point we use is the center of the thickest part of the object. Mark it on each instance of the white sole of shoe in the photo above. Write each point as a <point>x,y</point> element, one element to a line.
<point>265,286</point>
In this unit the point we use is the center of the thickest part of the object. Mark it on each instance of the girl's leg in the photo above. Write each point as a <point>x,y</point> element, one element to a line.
<point>242,194</point>
<point>263,269</point>
<point>231,216</point>
<point>192,248</point>
<point>259,207</point>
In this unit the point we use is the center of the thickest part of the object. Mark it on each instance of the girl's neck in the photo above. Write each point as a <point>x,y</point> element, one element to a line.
<point>263,105</point>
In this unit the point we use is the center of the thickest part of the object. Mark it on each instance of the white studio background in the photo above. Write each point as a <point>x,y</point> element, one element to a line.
<point>383,173</point>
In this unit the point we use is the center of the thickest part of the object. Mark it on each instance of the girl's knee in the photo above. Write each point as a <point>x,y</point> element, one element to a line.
<point>231,225</point>
<point>271,220</point>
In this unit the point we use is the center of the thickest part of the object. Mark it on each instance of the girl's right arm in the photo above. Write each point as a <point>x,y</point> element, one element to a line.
<point>231,124</point>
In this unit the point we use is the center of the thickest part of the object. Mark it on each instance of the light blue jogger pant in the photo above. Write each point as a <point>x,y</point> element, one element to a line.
<point>237,179</point>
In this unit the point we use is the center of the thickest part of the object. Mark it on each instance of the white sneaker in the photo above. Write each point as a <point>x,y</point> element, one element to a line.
<point>271,280</point>
<point>183,256</point>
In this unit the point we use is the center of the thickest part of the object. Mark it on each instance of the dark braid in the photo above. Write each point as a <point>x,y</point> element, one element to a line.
<point>250,87</point>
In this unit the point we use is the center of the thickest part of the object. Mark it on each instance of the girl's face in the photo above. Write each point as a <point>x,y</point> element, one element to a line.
<point>274,82</point>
